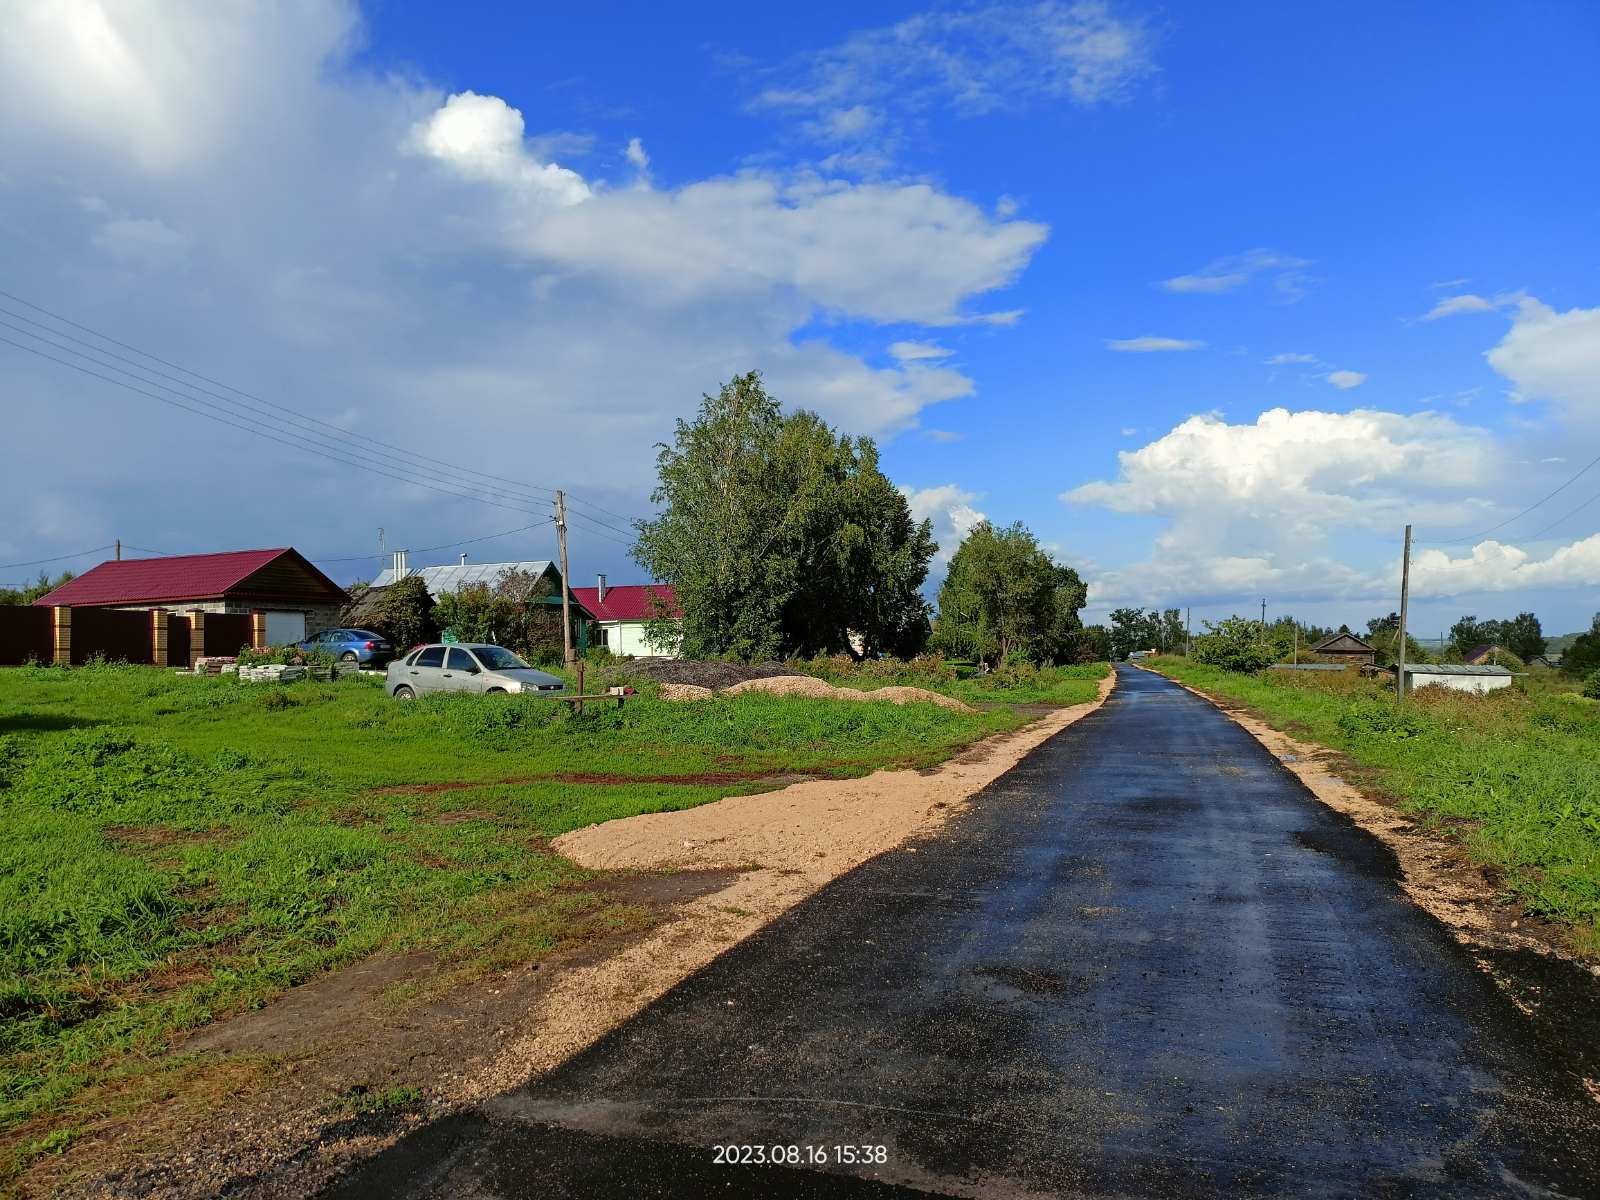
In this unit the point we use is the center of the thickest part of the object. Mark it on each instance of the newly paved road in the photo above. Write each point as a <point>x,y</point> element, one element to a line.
<point>1146,962</point>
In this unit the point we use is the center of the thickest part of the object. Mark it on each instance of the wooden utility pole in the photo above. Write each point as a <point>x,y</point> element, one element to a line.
<point>1188,634</point>
<point>1400,642</point>
<point>119,549</point>
<point>566,607</point>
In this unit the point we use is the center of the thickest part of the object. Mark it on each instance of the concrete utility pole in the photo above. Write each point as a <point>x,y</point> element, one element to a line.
<point>1188,634</point>
<point>566,608</point>
<point>1400,642</point>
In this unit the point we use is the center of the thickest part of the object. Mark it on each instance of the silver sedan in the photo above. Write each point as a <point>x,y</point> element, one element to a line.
<point>467,667</point>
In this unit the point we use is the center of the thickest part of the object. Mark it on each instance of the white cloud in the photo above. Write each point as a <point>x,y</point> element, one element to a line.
<point>1345,380</point>
<point>916,351</point>
<point>1151,345</point>
<point>1452,306</point>
<point>943,436</point>
<point>950,508</point>
<point>1552,355</point>
<point>1230,274</point>
<point>635,154</point>
<point>978,59</point>
<point>377,250</point>
<point>1292,359</point>
<point>1496,567</point>
<point>1255,505</point>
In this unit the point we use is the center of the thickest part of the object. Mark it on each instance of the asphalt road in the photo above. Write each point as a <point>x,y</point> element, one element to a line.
<point>1146,962</point>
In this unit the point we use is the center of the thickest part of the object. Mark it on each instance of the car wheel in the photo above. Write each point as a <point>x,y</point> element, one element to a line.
<point>404,693</point>
<point>495,692</point>
<point>349,656</point>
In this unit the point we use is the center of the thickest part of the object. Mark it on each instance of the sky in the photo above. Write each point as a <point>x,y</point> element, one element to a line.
<point>1215,299</point>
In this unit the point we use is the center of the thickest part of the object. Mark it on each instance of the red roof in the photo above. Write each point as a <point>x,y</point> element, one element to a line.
<point>176,578</point>
<point>628,601</point>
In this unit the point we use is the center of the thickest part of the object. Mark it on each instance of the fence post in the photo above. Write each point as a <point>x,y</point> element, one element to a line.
<point>61,634</point>
<point>158,637</point>
<point>258,629</point>
<point>197,636</point>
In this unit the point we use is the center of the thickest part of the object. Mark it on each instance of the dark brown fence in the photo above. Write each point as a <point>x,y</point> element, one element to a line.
<point>26,635</point>
<point>110,633</point>
<point>226,633</point>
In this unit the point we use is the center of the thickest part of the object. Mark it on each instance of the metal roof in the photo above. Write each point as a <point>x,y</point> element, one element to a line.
<point>1309,667</point>
<point>1454,669</point>
<point>178,577</point>
<point>441,581</point>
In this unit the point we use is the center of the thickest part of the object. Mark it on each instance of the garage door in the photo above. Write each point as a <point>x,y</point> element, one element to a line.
<point>285,627</point>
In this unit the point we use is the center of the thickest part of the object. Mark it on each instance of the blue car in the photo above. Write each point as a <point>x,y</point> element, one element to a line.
<point>352,646</point>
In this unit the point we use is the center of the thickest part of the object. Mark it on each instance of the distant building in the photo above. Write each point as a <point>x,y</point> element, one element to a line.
<point>1483,655</point>
<point>1347,648</point>
<point>623,614</point>
<point>298,599</point>
<point>1553,661</point>
<point>1459,677</point>
<point>452,577</point>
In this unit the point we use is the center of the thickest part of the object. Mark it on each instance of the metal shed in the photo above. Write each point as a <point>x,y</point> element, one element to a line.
<point>1457,676</point>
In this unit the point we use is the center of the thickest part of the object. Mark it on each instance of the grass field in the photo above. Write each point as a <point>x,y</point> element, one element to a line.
<point>1515,774</point>
<point>178,849</point>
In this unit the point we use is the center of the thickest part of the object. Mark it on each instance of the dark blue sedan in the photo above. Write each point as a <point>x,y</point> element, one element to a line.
<point>351,646</point>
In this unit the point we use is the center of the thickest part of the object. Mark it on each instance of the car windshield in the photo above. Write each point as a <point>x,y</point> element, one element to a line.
<point>498,658</point>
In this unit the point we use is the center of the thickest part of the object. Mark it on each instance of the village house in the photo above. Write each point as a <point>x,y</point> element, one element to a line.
<point>623,615</point>
<point>296,598</point>
<point>452,577</point>
<point>1346,648</point>
<point>1457,677</point>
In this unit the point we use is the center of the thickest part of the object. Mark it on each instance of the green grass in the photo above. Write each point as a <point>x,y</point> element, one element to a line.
<point>1515,773</point>
<point>180,849</point>
<point>1008,685</point>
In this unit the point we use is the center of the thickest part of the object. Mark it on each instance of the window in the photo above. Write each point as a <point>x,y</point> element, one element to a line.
<point>429,656</point>
<point>498,658</point>
<point>460,660</point>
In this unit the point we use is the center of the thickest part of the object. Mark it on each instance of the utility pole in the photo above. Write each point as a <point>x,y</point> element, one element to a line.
<point>566,608</point>
<point>1297,643</point>
<point>1188,634</point>
<point>119,549</point>
<point>1400,642</point>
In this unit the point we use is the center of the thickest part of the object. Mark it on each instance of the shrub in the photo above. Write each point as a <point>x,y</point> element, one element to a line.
<point>288,655</point>
<point>1237,644</point>
<point>1591,686</point>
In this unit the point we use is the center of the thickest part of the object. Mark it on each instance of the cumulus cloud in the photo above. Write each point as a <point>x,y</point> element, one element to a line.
<point>1345,380</point>
<point>1493,566</point>
<point>1254,505</point>
<point>1452,306</point>
<point>1151,345</point>
<point>1552,355</point>
<point>1223,275</point>
<point>379,252</point>
<point>635,154</point>
<point>916,351</point>
<point>950,508</point>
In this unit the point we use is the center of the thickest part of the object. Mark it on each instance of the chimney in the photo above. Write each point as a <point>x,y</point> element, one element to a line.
<point>401,570</point>
<point>463,560</point>
<point>602,596</point>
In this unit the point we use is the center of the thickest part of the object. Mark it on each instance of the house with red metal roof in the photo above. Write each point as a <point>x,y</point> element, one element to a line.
<point>623,616</point>
<point>297,598</point>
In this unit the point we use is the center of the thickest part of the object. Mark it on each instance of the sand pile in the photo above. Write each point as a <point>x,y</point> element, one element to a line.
<point>818,689</point>
<point>685,691</point>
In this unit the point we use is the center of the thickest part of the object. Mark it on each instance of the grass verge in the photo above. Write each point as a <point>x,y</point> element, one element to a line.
<point>1514,774</point>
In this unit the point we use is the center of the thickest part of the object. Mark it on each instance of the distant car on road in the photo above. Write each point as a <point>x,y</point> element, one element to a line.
<point>467,667</point>
<point>351,646</point>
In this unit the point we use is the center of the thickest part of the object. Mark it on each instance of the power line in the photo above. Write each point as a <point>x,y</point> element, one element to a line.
<point>274,425</point>
<point>339,429</point>
<point>1493,528</point>
<point>1533,537</point>
<point>597,529</point>
<point>39,562</point>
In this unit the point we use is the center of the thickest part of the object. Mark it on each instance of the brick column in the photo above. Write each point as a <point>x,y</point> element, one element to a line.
<point>258,629</point>
<point>158,636</point>
<point>197,636</point>
<point>61,634</point>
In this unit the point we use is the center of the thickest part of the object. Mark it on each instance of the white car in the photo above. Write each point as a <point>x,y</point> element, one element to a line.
<point>466,667</point>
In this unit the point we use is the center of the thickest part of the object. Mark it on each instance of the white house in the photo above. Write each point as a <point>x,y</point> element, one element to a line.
<point>622,615</point>
<point>1457,676</point>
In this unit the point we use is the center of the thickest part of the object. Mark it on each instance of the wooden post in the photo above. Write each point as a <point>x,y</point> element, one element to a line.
<point>1400,642</point>
<point>569,656</point>
<point>258,629</point>
<point>158,636</point>
<point>61,634</point>
<point>197,636</point>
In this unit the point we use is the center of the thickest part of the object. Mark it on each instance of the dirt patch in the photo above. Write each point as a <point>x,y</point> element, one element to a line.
<point>712,778</point>
<point>821,689</point>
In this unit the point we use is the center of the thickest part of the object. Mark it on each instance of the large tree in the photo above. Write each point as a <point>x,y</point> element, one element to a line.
<point>1004,595</point>
<point>1583,656</point>
<point>781,536</point>
<point>1523,635</point>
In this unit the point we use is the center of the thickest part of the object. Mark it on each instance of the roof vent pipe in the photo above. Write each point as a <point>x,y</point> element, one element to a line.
<point>463,560</point>
<point>602,596</point>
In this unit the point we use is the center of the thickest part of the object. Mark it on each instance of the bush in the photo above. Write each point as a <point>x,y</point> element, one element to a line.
<point>289,656</point>
<point>1591,686</point>
<point>1237,644</point>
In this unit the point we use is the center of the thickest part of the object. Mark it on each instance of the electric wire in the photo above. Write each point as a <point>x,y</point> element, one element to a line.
<point>1494,528</point>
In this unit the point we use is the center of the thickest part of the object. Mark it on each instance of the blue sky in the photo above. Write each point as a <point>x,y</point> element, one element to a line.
<point>1215,300</point>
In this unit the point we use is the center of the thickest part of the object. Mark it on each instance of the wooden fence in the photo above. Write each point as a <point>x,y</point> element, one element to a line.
<point>155,637</point>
